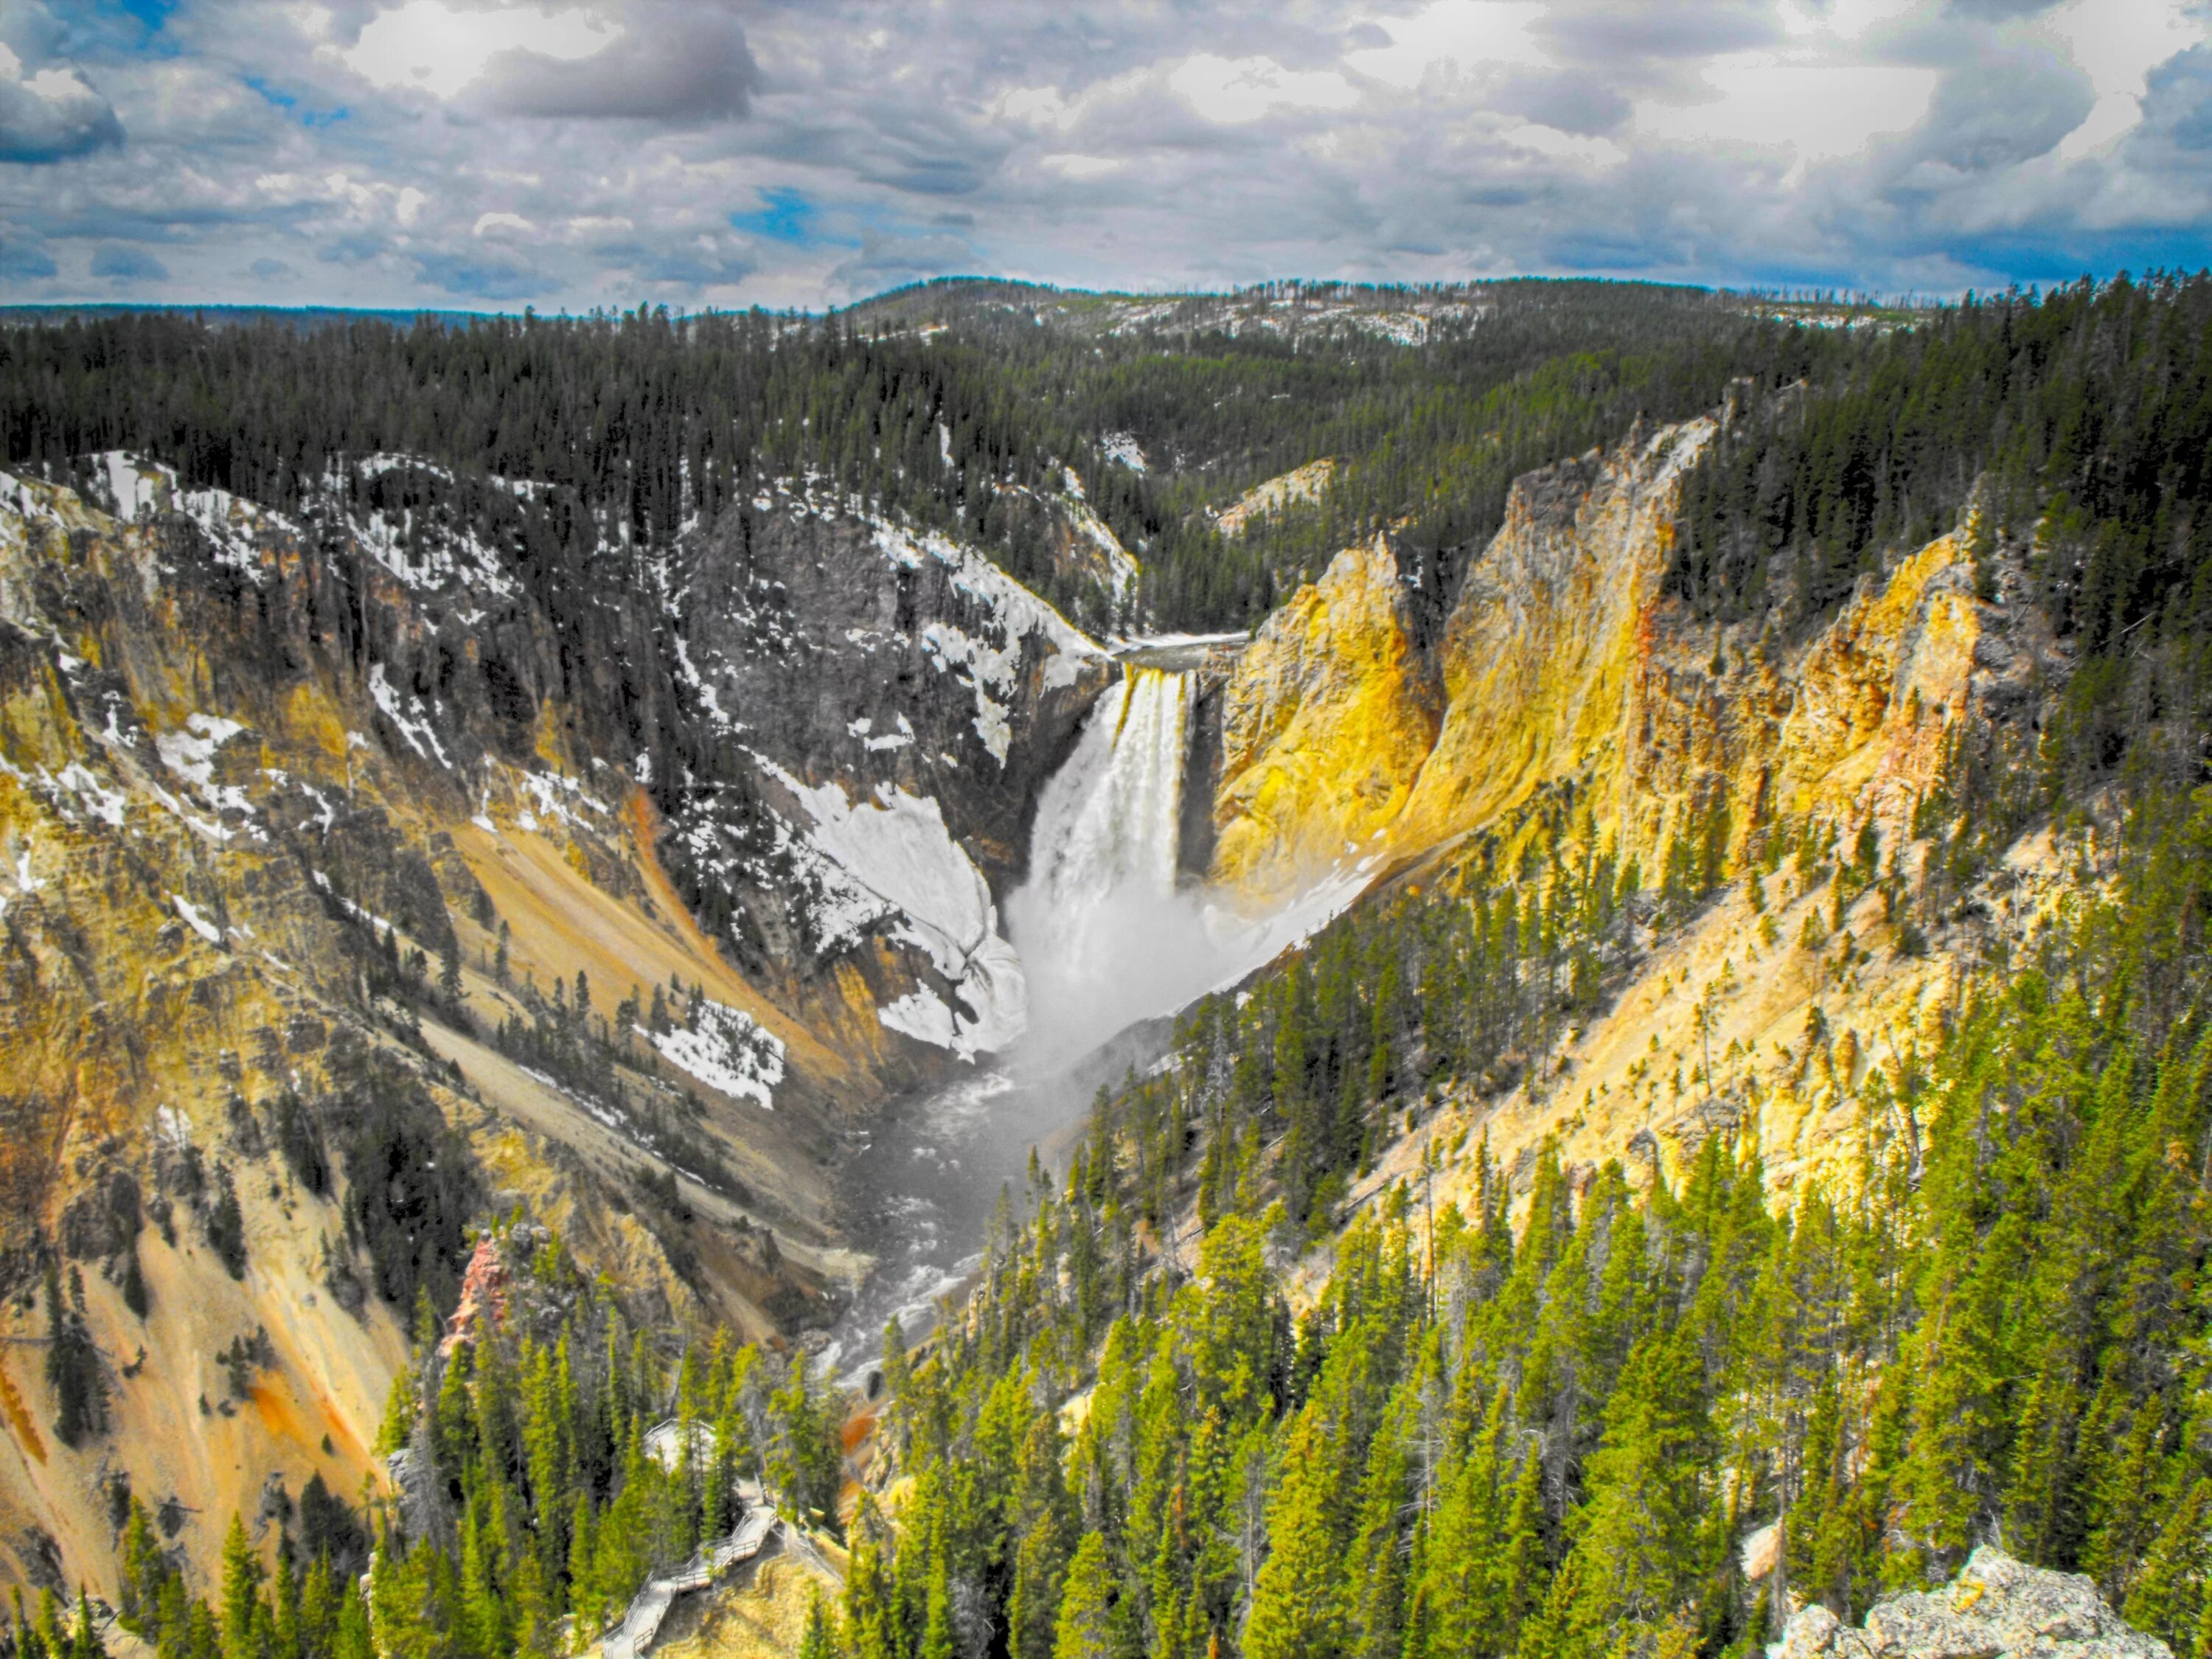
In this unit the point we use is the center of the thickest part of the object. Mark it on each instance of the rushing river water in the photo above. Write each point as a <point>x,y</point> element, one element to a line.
<point>922,1189</point>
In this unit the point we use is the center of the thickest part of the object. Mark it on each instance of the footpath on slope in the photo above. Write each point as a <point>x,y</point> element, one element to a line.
<point>641,1622</point>
<point>1996,1608</point>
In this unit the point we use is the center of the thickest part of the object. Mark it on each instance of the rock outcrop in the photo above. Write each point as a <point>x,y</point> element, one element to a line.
<point>1325,726</point>
<point>885,706</point>
<point>1563,660</point>
<point>1997,1608</point>
<point>1548,651</point>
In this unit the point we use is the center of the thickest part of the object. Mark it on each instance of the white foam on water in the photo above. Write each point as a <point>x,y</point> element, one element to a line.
<point>1108,931</point>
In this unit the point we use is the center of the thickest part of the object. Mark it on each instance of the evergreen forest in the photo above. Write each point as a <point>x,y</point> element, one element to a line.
<point>1218,1391</point>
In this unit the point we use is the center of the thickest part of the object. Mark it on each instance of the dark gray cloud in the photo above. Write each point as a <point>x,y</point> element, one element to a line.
<point>2177,109</point>
<point>474,277</point>
<point>712,259</point>
<point>885,262</point>
<point>48,109</point>
<point>2007,108</point>
<point>24,261</point>
<point>127,264</point>
<point>679,63</point>
<point>1658,30</point>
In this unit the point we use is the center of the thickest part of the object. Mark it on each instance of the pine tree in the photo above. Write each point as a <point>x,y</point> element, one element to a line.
<point>1087,1628</point>
<point>1639,1546</point>
<point>1298,1606</point>
<point>242,1578</point>
<point>819,1642</point>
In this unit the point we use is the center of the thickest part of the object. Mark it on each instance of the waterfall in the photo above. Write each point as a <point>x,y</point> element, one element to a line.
<point>1110,818</point>
<point>1108,935</point>
<point>1104,936</point>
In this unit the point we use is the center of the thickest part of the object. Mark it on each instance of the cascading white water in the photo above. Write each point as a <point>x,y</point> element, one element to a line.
<point>1105,938</point>
<point>1111,817</point>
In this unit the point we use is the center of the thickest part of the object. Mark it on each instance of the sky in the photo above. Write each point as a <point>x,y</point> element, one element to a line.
<point>481,155</point>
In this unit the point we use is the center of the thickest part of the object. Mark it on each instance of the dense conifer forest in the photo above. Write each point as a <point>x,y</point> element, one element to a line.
<point>1538,1425</point>
<point>647,423</point>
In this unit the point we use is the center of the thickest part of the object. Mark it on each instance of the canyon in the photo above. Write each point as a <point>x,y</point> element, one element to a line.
<point>339,868</point>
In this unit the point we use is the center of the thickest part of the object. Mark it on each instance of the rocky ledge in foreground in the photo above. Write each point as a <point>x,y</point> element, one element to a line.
<point>1997,1608</point>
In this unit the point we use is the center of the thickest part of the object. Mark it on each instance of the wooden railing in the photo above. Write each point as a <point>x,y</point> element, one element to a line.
<point>641,1620</point>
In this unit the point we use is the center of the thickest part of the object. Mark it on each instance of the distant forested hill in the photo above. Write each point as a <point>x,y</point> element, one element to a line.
<point>934,404</point>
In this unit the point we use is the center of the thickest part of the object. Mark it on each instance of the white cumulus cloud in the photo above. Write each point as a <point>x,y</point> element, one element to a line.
<point>1245,89</point>
<point>441,48</point>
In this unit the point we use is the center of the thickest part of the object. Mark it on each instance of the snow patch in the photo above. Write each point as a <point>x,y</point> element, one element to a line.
<point>551,792</point>
<point>922,1014</point>
<point>190,753</point>
<point>1120,568</point>
<point>198,923</point>
<point>105,805</point>
<point>896,846</point>
<point>360,912</point>
<point>212,831</point>
<point>984,670</point>
<point>1302,483</point>
<point>863,729</point>
<point>427,547</point>
<point>709,698</point>
<point>230,523</point>
<point>1017,613</point>
<point>728,1052</point>
<point>415,727</point>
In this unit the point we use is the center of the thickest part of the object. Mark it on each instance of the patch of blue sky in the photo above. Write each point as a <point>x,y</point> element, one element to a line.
<point>153,14</point>
<point>2067,255</point>
<point>785,216</point>
<point>129,25</point>
<point>290,105</point>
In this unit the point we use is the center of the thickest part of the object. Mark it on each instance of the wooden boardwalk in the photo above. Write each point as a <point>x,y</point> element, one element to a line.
<point>642,1623</point>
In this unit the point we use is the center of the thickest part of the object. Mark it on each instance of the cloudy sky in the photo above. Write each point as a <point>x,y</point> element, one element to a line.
<point>482,153</point>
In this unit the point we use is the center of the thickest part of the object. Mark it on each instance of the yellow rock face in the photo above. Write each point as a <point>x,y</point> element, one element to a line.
<point>1325,728</point>
<point>1565,665</point>
<point>1545,649</point>
<point>1880,686</point>
<point>1564,662</point>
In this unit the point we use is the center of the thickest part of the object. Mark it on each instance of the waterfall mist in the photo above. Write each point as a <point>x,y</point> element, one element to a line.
<point>1105,936</point>
<point>1108,938</point>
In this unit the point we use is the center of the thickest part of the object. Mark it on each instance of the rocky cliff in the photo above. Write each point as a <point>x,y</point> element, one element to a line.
<point>1996,1608</point>
<point>1567,682</point>
<point>1325,728</point>
<point>369,870</point>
